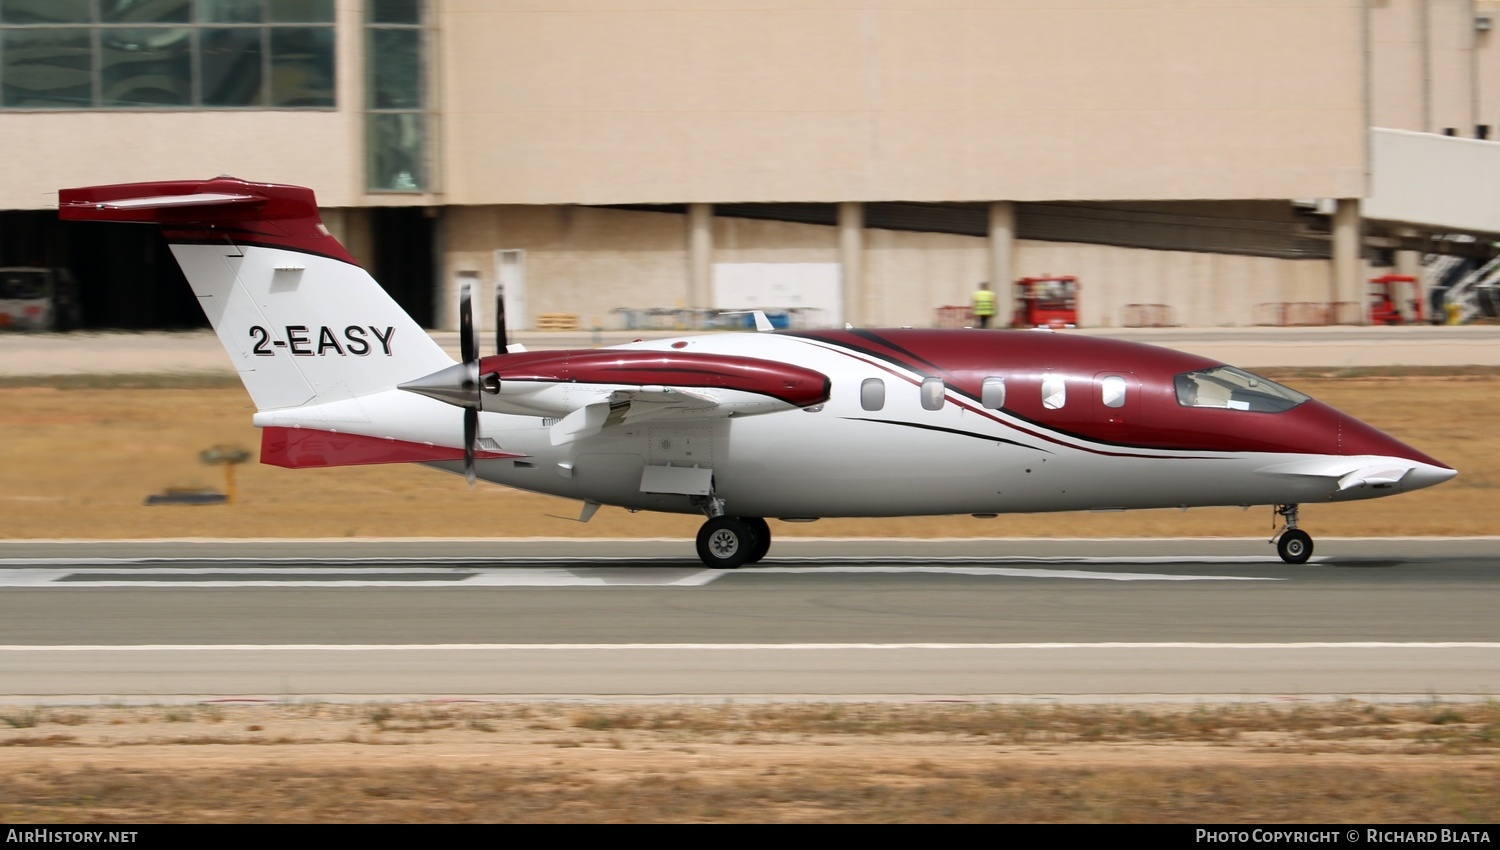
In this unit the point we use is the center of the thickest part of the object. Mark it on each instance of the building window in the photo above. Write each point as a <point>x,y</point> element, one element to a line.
<point>188,54</point>
<point>395,93</point>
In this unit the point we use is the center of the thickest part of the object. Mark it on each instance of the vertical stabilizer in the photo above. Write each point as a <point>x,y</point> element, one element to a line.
<point>303,323</point>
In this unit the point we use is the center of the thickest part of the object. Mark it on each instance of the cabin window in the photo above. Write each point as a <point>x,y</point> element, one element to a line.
<point>992,393</point>
<point>872,394</point>
<point>932,394</point>
<point>1054,392</point>
<point>1112,391</point>
<point>1229,388</point>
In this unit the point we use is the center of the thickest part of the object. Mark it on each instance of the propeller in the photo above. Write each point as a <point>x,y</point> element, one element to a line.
<point>469,350</point>
<point>461,384</point>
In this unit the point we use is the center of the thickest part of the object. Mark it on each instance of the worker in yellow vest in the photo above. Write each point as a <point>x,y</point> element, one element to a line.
<point>984,305</point>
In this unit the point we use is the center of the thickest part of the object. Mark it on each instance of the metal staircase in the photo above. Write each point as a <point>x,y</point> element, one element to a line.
<point>1476,294</point>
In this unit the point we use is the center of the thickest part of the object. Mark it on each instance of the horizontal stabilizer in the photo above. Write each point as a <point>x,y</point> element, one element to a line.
<point>220,199</point>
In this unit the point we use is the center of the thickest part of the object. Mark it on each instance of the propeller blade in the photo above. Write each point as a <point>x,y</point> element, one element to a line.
<point>501,342</point>
<point>468,342</point>
<point>471,436</point>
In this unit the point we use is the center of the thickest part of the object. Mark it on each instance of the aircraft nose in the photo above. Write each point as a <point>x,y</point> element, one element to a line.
<point>1426,475</point>
<point>1357,438</point>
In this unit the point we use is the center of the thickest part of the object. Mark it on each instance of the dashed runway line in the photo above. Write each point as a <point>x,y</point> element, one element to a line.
<point>54,573</point>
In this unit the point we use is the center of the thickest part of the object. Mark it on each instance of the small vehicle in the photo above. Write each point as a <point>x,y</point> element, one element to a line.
<point>34,298</point>
<point>1047,302</point>
<point>1385,300</point>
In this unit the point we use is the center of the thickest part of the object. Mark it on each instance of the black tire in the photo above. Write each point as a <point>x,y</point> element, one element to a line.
<point>724,543</point>
<point>761,531</point>
<point>1295,546</point>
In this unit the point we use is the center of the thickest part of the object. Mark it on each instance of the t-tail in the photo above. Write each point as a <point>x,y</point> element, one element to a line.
<point>320,346</point>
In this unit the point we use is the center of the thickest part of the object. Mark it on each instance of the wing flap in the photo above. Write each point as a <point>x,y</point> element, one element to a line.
<point>633,407</point>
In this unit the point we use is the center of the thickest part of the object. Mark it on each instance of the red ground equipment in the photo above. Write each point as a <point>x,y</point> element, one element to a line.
<point>1385,300</point>
<point>1047,302</point>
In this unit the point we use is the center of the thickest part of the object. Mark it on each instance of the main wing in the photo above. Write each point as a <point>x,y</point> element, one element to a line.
<point>588,390</point>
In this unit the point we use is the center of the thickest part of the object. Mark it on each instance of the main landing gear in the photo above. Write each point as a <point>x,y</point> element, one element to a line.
<point>727,542</point>
<point>1293,544</point>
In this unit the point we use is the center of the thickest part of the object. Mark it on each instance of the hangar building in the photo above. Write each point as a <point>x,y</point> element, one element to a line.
<point>866,161</point>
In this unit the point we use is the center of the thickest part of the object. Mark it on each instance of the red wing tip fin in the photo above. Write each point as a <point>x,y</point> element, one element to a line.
<point>309,448</point>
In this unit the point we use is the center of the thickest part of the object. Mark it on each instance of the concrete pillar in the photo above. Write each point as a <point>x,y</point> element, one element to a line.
<point>1002,247</point>
<point>1348,284</point>
<point>851,257</point>
<point>1410,263</point>
<point>700,220</point>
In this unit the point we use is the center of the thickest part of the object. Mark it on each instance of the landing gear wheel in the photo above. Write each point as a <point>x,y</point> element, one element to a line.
<point>724,543</point>
<point>1295,546</point>
<point>761,531</point>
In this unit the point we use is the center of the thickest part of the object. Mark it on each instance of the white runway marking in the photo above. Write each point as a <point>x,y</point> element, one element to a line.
<point>295,577</point>
<point>1014,572</point>
<point>55,573</point>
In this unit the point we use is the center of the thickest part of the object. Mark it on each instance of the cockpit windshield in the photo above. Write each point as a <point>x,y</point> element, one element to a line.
<point>1234,389</point>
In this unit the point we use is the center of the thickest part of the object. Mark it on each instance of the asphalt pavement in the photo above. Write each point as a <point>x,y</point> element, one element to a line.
<point>199,352</point>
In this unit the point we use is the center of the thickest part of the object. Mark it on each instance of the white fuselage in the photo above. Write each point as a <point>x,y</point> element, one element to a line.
<point>841,459</point>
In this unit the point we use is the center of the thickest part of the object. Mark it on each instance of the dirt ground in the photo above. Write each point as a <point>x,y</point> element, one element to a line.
<point>815,762</point>
<point>80,462</point>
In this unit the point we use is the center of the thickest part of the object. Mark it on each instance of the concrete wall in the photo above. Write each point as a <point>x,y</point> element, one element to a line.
<point>578,260</point>
<point>626,100</point>
<point>1431,69</point>
<point>1203,289</point>
<point>590,261</point>
<point>610,101</point>
<point>1435,180</point>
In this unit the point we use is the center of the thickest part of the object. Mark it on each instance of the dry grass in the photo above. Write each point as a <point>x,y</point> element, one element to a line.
<point>846,762</point>
<point>78,462</point>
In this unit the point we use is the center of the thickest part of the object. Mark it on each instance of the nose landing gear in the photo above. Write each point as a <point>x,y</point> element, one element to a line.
<point>1293,544</point>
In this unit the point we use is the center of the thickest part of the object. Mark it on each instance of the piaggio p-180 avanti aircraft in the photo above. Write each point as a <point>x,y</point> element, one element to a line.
<point>794,424</point>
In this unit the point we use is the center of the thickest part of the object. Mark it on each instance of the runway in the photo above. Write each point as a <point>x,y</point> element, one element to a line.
<point>824,619</point>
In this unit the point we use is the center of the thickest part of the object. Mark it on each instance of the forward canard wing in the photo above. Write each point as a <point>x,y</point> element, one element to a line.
<point>1346,475</point>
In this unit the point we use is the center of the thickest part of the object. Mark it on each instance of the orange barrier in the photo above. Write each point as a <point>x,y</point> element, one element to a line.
<point>1287,314</point>
<point>1149,316</point>
<point>955,317</point>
